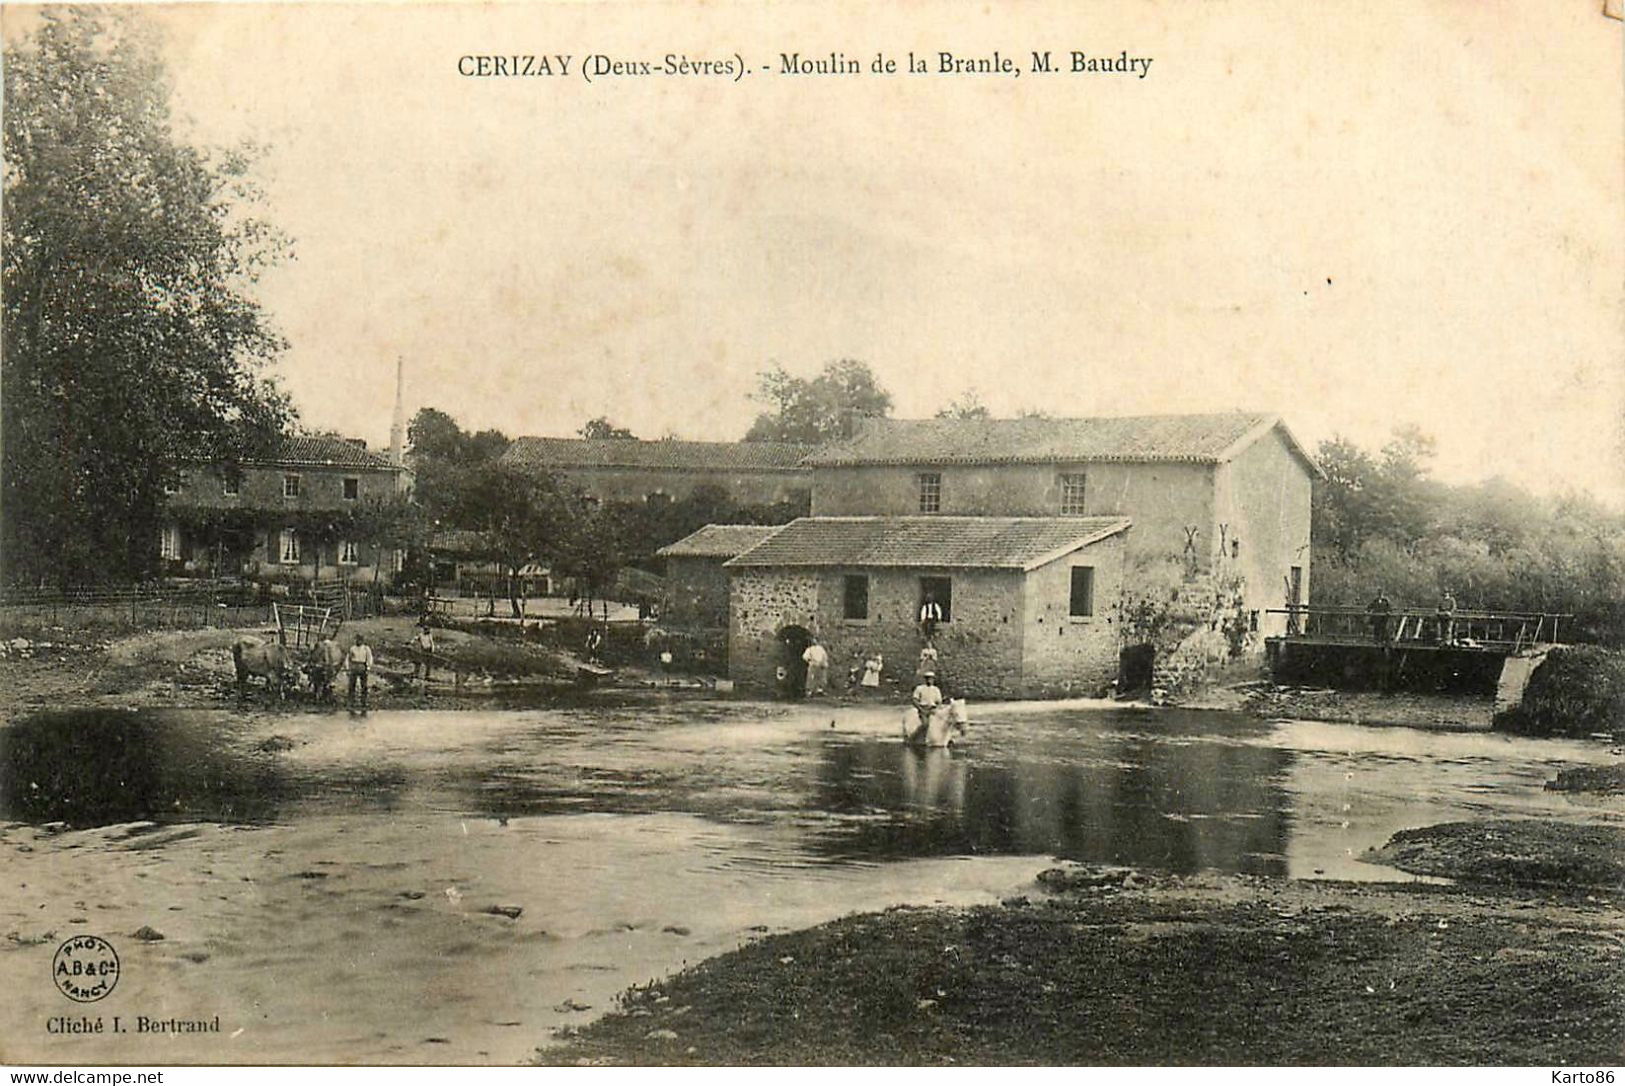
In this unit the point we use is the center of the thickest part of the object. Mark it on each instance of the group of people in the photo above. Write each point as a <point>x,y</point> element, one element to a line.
<point>816,659</point>
<point>1379,614</point>
<point>357,661</point>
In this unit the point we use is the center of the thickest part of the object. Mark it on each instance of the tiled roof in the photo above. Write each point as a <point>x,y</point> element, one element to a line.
<point>1205,439</point>
<point>562,453</point>
<point>718,541</point>
<point>928,542</point>
<point>326,451</point>
<point>458,541</point>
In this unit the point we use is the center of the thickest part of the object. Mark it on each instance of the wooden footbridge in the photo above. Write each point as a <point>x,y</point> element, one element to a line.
<point>1413,647</point>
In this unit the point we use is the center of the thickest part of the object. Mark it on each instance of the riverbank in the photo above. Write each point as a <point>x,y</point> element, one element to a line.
<point>193,669</point>
<point>1109,966</point>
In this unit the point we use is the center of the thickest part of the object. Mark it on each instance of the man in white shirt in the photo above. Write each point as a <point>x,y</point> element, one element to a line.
<point>930,615</point>
<point>359,662</point>
<point>816,657</point>
<point>927,697</point>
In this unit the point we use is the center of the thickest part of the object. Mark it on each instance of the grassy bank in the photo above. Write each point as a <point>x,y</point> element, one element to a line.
<point>1577,691</point>
<point>1522,852</point>
<point>1125,968</point>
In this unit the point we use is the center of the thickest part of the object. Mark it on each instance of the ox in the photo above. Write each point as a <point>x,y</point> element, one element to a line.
<point>272,661</point>
<point>323,665</point>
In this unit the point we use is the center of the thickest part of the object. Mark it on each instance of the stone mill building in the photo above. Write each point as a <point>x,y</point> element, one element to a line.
<point>1063,553</point>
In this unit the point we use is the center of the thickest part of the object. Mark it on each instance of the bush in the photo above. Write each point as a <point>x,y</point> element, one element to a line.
<point>1576,692</point>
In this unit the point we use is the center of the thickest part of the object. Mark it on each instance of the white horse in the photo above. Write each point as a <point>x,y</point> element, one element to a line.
<point>936,726</point>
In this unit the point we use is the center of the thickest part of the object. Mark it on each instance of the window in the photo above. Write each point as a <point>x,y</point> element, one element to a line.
<point>352,489</point>
<point>290,486</point>
<point>230,485</point>
<point>290,544</point>
<point>930,492</point>
<point>175,483</point>
<point>938,590</point>
<point>855,597</point>
<point>1083,592</point>
<point>1072,495</point>
<point>169,542</point>
<point>349,553</point>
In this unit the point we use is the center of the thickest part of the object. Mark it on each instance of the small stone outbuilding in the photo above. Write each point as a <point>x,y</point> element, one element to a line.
<point>696,589</point>
<point>1026,601</point>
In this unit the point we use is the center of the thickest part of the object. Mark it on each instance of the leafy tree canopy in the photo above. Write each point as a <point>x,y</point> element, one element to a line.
<point>820,409</point>
<point>601,428</point>
<point>1380,520</point>
<point>132,343</point>
<point>968,406</point>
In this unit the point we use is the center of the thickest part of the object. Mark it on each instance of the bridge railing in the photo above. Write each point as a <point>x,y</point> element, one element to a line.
<point>1490,630</point>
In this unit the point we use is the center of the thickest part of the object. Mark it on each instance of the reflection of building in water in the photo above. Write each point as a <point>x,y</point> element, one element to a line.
<point>1185,805</point>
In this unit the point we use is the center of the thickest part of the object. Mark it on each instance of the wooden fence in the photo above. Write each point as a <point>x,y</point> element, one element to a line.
<point>130,608</point>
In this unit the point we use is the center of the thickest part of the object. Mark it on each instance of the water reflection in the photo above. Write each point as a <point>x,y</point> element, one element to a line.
<point>1176,790</point>
<point>1126,799</point>
<point>95,767</point>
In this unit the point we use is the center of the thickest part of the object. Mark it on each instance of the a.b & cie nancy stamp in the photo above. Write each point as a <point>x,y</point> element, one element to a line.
<point>85,968</point>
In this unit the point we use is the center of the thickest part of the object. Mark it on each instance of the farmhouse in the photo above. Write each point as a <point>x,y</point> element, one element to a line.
<point>611,470</point>
<point>310,510</point>
<point>1024,601</point>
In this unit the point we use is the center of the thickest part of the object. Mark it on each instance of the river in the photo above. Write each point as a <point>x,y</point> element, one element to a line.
<point>343,889</point>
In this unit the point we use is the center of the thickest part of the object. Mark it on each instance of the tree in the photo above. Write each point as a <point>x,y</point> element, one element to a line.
<point>968,406</point>
<point>523,517</point>
<point>601,428</point>
<point>131,342</point>
<point>447,461</point>
<point>819,410</point>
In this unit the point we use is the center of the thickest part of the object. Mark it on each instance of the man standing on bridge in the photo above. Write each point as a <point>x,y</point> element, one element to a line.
<point>1379,609</point>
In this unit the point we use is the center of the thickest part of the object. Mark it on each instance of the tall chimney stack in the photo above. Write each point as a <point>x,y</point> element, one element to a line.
<point>397,429</point>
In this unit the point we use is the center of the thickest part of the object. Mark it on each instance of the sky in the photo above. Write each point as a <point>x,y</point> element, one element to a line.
<point>1355,216</point>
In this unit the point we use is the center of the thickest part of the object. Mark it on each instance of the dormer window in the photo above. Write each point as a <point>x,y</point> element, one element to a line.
<point>930,484</point>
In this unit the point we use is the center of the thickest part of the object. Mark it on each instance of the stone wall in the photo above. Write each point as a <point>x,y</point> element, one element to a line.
<point>979,649</point>
<point>1065,655</point>
<point>1264,505</point>
<point>760,603</point>
<point>1194,622</point>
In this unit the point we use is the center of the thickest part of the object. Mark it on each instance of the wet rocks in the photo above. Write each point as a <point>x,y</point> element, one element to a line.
<point>512,912</point>
<point>147,934</point>
<point>1070,879</point>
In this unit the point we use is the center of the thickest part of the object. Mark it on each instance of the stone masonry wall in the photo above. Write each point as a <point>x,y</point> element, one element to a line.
<point>1065,655</point>
<point>760,603</point>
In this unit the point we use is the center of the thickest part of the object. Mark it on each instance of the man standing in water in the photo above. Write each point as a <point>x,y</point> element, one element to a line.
<point>359,661</point>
